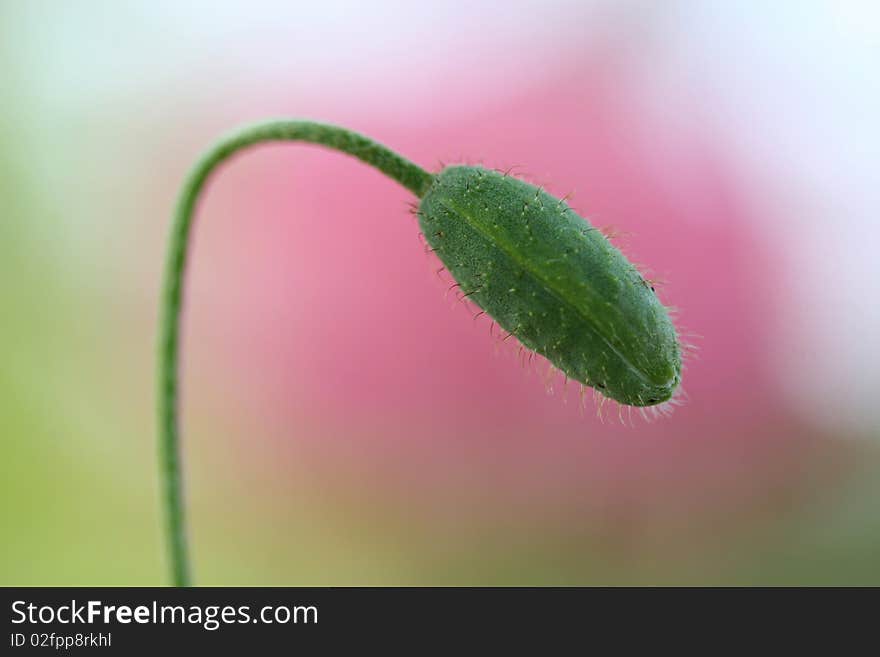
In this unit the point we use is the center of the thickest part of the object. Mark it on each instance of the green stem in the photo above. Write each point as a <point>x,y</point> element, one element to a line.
<point>403,171</point>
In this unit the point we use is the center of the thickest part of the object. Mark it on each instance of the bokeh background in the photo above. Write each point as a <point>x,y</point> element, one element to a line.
<point>346,422</point>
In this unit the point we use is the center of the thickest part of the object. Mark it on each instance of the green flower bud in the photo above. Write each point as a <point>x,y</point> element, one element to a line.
<point>553,281</point>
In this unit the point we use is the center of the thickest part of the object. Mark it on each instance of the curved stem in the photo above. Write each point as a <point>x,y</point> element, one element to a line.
<point>393,165</point>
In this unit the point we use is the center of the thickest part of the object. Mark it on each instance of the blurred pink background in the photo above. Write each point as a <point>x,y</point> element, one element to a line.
<point>346,420</point>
